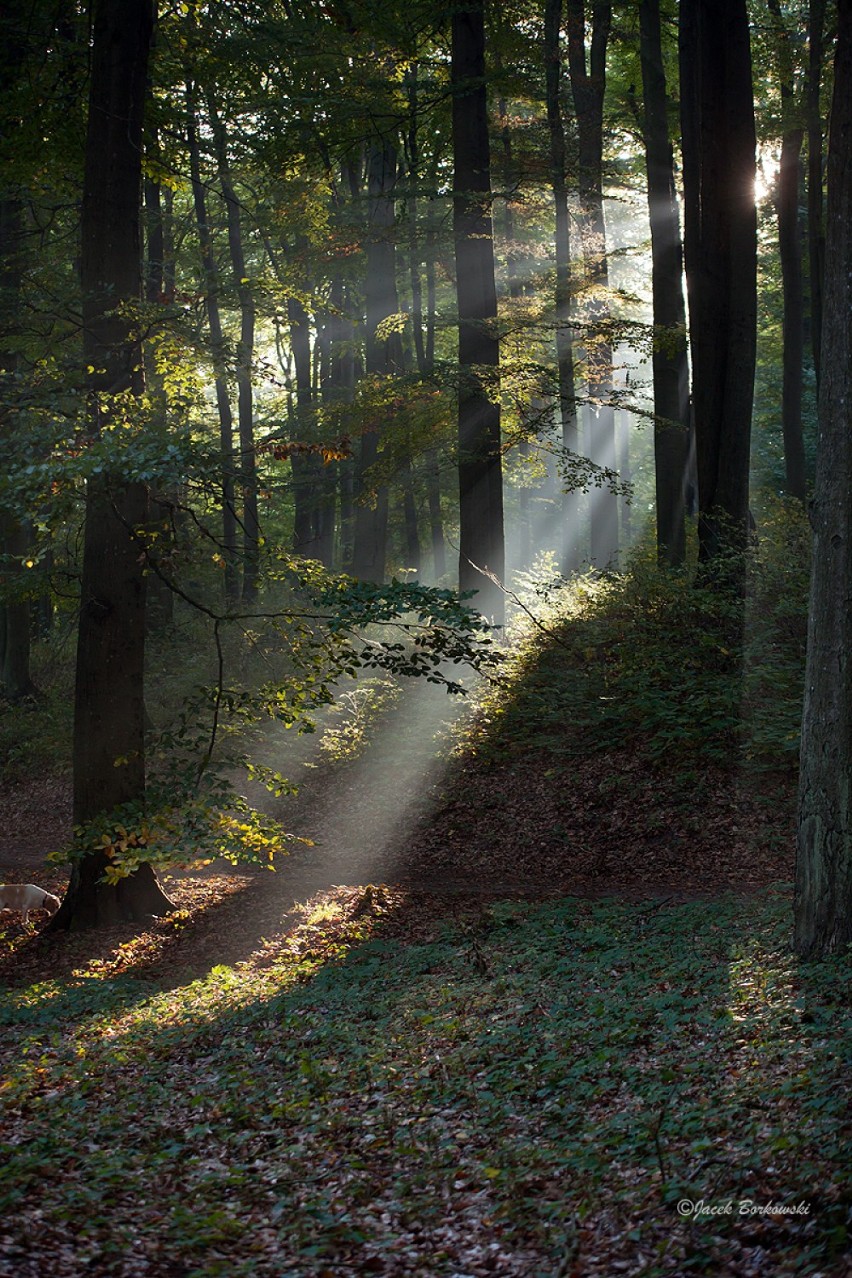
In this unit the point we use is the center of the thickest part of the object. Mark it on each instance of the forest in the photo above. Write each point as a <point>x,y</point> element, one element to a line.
<point>425,696</point>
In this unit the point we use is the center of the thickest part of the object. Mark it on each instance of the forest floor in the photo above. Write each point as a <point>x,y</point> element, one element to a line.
<point>504,1012</point>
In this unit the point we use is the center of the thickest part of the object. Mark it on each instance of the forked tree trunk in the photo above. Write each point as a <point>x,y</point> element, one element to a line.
<point>481,547</point>
<point>670,364</point>
<point>109,718</point>
<point>823,907</point>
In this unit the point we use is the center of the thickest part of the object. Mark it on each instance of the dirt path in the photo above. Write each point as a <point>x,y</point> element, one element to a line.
<point>440,833</point>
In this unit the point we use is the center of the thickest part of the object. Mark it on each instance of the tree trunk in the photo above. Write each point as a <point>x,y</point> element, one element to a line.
<point>424,345</point>
<point>790,250</point>
<point>217,341</point>
<point>720,232</point>
<point>109,718</point>
<point>160,599</point>
<point>670,363</point>
<point>569,556</point>
<point>816,231</point>
<point>409,510</point>
<point>383,354</point>
<point>481,547</point>
<point>245,355</point>
<point>302,465</point>
<point>342,387</point>
<point>588,86</point>
<point>15,678</point>
<point>823,907</point>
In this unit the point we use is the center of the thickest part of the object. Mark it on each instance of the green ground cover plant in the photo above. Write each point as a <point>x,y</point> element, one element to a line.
<point>521,1087</point>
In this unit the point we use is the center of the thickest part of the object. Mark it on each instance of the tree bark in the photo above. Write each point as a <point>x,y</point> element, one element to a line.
<point>481,546</point>
<point>720,234</point>
<point>109,717</point>
<point>823,906</point>
<point>670,363</point>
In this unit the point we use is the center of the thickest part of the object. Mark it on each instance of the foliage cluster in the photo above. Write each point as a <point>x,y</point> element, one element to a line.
<point>541,1084</point>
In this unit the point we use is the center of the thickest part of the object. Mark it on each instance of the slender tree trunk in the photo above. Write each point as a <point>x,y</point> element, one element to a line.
<point>433,468</point>
<point>790,250</point>
<point>409,510</point>
<point>588,84</point>
<point>160,599</point>
<point>217,341</point>
<point>481,548</point>
<point>383,354</point>
<point>424,344</point>
<point>414,252</point>
<point>816,231</point>
<point>823,908</point>
<point>109,717</point>
<point>717,112</point>
<point>670,363</point>
<point>304,476</point>
<point>343,388</point>
<point>245,356</point>
<point>569,557</point>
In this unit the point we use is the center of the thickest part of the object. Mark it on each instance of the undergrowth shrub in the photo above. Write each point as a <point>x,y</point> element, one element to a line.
<point>659,663</point>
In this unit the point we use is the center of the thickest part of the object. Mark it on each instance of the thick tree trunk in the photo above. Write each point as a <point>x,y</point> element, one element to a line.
<point>588,84</point>
<point>217,342</point>
<point>109,716</point>
<point>481,547</point>
<point>670,363</point>
<point>823,907</point>
<point>569,556</point>
<point>720,232</point>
